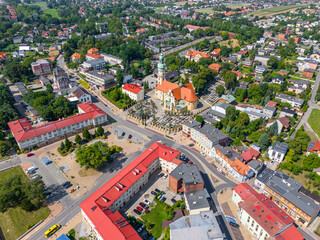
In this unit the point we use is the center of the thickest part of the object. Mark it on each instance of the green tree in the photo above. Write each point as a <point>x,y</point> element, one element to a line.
<point>273,130</point>
<point>67,144</point>
<point>78,139</point>
<point>62,146</point>
<point>199,119</point>
<point>231,113</point>
<point>5,146</point>
<point>273,62</point>
<point>220,90</point>
<point>86,135</point>
<point>311,162</point>
<point>264,141</point>
<point>267,77</point>
<point>100,131</point>
<point>119,76</point>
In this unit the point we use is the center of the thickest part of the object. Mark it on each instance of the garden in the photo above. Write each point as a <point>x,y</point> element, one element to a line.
<point>116,96</point>
<point>154,218</point>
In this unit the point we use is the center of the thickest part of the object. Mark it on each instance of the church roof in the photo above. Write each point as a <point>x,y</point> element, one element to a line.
<point>186,92</point>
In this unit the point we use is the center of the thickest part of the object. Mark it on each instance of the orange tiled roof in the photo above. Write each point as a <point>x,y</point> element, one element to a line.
<point>76,55</point>
<point>215,66</point>
<point>195,53</point>
<point>239,166</point>
<point>216,51</point>
<point>186,92</point>
<point>93,50</point>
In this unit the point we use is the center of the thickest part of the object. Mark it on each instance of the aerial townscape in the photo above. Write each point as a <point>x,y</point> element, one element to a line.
<point>159,119</point>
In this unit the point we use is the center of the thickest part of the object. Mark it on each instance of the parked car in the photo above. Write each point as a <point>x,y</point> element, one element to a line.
<point>145,237</point>
<point>272,162</point>
<point>142,205</point>
<point>72,190</point>
<point>123,133</point>
<point>141,228</point>
<point>219,169</point>
<point>146,201</point>
<point>203,154</point>
<point>190,162</point>
<point>138,226</point>
<point>45,187</point>
<point>153,193</point>
<point>31,170</point>
<point>130,136</point>
<point>159,196</point>
<point>173,200</point>
<point>157,190</point>
<point>234,224</point>
<point>35,176</point>
<point>161,174</point>
<point>165,176</point>
<point>163,199</point>
<point>137,212</point>
<point>139,208</point>
<point>30,154</point>
<point>66,184</point>
<point>49,196</point>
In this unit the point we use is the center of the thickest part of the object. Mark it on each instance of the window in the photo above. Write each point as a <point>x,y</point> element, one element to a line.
<point>257,227</point>
<point>248,219</point>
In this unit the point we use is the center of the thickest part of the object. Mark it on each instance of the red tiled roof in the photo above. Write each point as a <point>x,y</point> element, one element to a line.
<point>195,27</point>
<point>192,53</point>
<point>284,121</point>
<point>264,211</point>
<point>250,154</point>
<point>272,104</point>
<point>313,146</point>
<point>22,130</point>
<point>134,88</point>
<point>291,233</point>
<point>97,204</point>
<point>93,55</point>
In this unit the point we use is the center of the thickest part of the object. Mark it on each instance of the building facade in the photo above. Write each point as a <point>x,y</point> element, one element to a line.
<point>28,137</point>
<point>134,91</point>
<point>41,67</point>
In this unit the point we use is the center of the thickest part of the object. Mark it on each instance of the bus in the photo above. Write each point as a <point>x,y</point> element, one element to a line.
<point>52,230</point>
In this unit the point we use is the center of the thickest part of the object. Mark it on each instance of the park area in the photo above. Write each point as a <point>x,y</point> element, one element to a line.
<point>115,95</point>
<point>276,10</point>
<point>15,221</point>
<point>314,121</point>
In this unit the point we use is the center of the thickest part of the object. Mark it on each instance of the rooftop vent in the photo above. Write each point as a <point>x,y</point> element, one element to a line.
<point>93,208</point>
<point>120,185</point>
<point>134,172</point>
<point>123,224</point>
<point>119,221</point>
<point>164,153</point>
<point>137,170</point>
<point>195,202</point>
<point>104,199</point>
<point>117,188</point>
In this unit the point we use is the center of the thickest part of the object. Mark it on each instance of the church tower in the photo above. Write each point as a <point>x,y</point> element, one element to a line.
<point>161,69</point>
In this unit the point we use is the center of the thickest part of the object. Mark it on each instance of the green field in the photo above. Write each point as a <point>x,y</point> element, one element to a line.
<point>40,4</point>
<point>234,6</point>
<point>275,10</point>
<point>314,121</point>
<point>52,12</point>
<point>15,221</point>
<point>205,10</point>
<point>158,10</point>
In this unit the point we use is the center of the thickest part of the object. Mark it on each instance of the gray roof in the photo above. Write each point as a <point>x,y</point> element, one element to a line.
<point>189,174</point>
<point>270,108</point>
<point>229,152</point>
<point>99,74</point>
<point>290,98</point>
<point>223,105</point>
<point>21,87</point>
<point>280,147</point>
<point>289,189</point>
<point>265,175</point>
<point>202,226</point>
<point>256,165</point>
<point>197,199</point>
<point>288,110</point>
<point>212,133</point>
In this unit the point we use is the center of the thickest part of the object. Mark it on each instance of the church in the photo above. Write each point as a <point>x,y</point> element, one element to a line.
<point>176,98</point>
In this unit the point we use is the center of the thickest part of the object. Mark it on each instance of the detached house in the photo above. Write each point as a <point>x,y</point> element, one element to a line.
<point>195,55</point>
<point>278,151</point>
<point>216,67</point>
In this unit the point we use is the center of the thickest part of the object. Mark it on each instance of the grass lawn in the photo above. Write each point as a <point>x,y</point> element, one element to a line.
<point>234,43</point>
<point>52,12</point>
<point>122,101</point>
<point>40,4</point>
<point>155,217</point>
<point>318,230</point>
<point>205,10</point>
<point>314,121</point>
<point>275,10</point>
<point>16,221</point>
<point>84,84</point>
<point>158,10</point>
<point>234,6</point>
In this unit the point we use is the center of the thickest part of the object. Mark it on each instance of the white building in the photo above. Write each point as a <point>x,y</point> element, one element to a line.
<point>79,94</point>
<point>278,151</point>
<point>196,201</point>
<point>24,47</point>
<point>134,91</point>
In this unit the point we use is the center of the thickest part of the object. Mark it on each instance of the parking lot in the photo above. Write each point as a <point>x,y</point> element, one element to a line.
<point>124,133</point>
<point>155,182</point>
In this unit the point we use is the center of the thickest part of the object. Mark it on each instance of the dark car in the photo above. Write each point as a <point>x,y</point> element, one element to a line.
<point>137,212</point>
<point>163,199</point>
<point>123,133</point>
<point>173,200</point>
<point>145,237</point>
<point>67,184</point>
<point>161,174</point>
<point>142,205</point>
<point>157,190</point>
<point>138,226</point>
<point>234,224</point>
<point>153,193</point>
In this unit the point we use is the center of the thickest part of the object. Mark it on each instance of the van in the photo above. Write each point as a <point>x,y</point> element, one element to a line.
<point>31,170</point>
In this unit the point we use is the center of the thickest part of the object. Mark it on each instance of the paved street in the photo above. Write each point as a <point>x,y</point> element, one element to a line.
<point>312,105</point>
<point>13,161</point>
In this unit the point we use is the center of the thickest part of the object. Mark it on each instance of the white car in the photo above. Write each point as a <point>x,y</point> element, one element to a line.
<point>219,170</point>
<point>146,201</point>
<point>165,176</point>
<point>203,154</point>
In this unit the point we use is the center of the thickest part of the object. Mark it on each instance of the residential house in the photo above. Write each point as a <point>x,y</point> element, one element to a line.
<point>287,194</point>
<point>185,178</point>
<point>196,201</point>
<point>244,84</point>
<point>18,39</point>
<point>282,36</point>
<point>196,55</point>
<point>112,60</point>
<point>205,135</point>
<point>271,104</point>
<point>269,111</point>
<point>135,92</point>
<point>41,67</point>
<point>93,51</point>
<point>307,64</point>
<point>24,47</point>
<point>215,53</point>
<point>76,57</point>
<point>308,73</point>
<point>262,218</point>
<point>304,84</point>
<point>283,72</point>
<point>258,80</point>
<point>260,70</point>
<point>93,56</point>
<point>44,80</point>
<point>254,112</point>
<point>28,137</point>
<point>278,79</point>
<point>283,124</point>
<point>314,147</point>
<point>287,112</point>
<point>278,151</point>
<point>61,79</point>
<point>216,67</point>
<point>79,94</point>
<point>262,59</point>
<point>256,166</point>
<point>251,154</point>
<point>294,101</point>
<point>3,56</point>
<point>262,178</point>
<point>247,63</point>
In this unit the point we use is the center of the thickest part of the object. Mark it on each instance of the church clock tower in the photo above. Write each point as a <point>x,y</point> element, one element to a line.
<point>161,69</point>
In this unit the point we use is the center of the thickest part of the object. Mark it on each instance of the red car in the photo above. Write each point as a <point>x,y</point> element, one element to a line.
<point>139,208</point>
<point>142,205</point>
<point>130,136</point>
<point>30,154</point>
<point>73,190</point>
